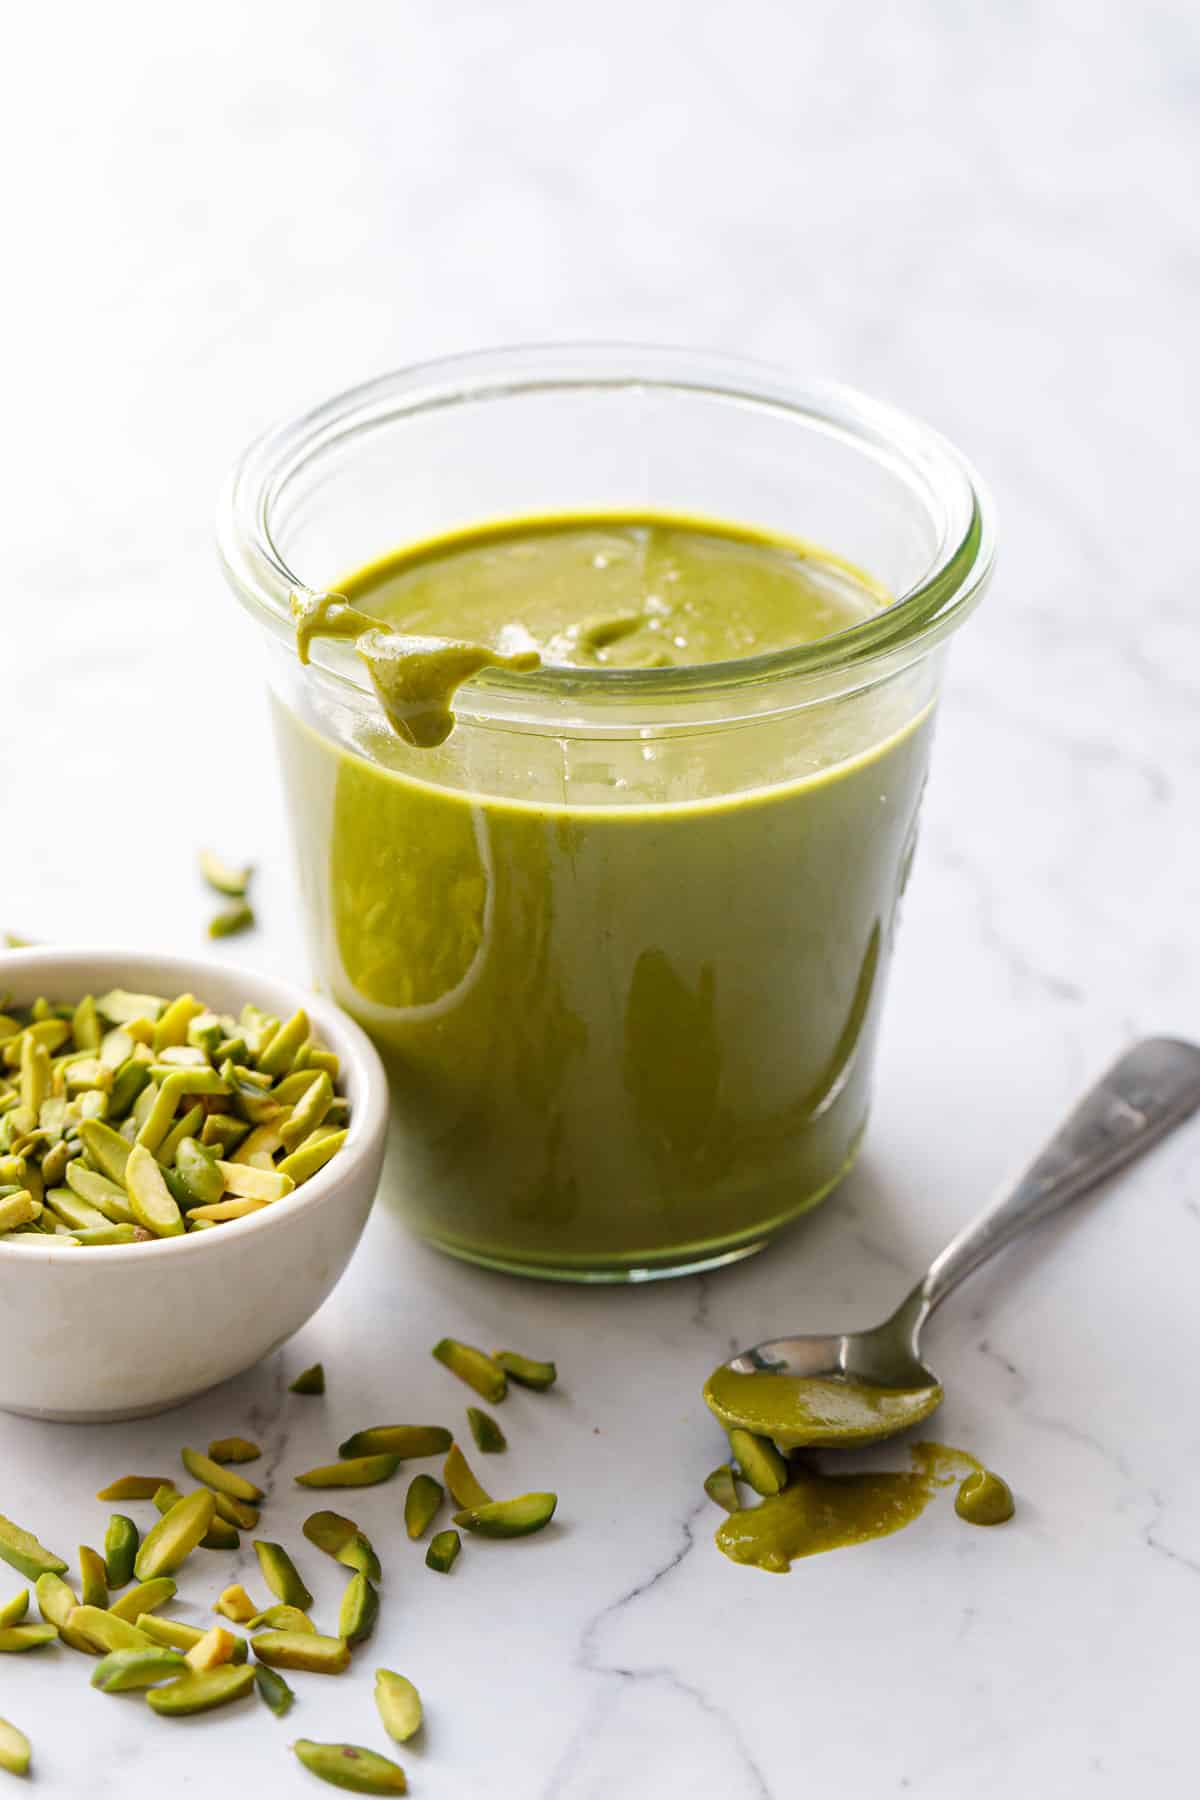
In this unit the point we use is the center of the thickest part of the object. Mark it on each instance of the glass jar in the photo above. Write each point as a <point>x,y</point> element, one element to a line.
<point>623,938</point>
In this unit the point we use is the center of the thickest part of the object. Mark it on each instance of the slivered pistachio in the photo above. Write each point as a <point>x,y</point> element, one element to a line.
<point>236,1512</point>
<point>168,1545</point>
<point>120,1547</point>
<point>173,1634</point>
<point>460,1479</point>
<point>15,1750</point>
<point>145,1598</point>
<point>341,1538</point>
<point>106,1148</point>
<point>108,1197</point>
<point>509,1518</point>
<point>133,1487</point>
<point>421,1504</point>
<point>359,1610</point>
<point>487,1434</point>
<point>236,1604</point>
<point>197,1168</point>
<point>215,1475</point>
<point>171,1027</point>
<point>123,1671</point>
<point>232,919</point>
<point>300,1650</point>
<point>280,1051</point>
<point>223,877</point>
<point>762,1467</point>
<point>308,1111</point>
<point>15,1638</point>
<point>352,1767</point>
<point>231,1114</point>
<point>21,1550</point>
<point>475,1367</point>
<point>722,1487</point>
<point>353,1471</point>
<point>311,1381</point>
<point>19,1209</point>
<point>223,1132</point>
<point>398,1440</point>
<point>56,1599</point>
<point>281,1574</point>
<point>234,1450</point>
<point>153,1205</point>
<point>93,1577</point>
<point>399,1705</point>
<point>311,1156</point>
<point>104,1630</point>
<point>526,1371</point>
<point>281,1618</point>
<point>443,1550</point>
<point>119,1006</point>
<point>200,1693</point>
<point>273,1689</point>
<point>187,1126</point>
<point>14,1610</point>
<point>250,1183</point>
<point>214,1648</point>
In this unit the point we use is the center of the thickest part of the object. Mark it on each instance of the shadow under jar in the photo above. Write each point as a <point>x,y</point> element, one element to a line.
<point>622,939</point>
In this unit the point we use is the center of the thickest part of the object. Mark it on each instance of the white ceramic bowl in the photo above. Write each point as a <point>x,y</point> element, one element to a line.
<point>117,1331</point>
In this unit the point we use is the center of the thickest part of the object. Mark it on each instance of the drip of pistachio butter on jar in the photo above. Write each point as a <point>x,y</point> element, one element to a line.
<point>415,678</point>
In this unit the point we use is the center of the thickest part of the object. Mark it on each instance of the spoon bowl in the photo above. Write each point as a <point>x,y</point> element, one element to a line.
<point>851,1388</point>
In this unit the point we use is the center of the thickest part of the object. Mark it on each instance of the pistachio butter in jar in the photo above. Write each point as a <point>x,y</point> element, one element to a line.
<point>617,910</point>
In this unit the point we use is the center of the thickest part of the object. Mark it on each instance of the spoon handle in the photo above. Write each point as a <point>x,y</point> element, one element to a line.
<point>1147,1092</point>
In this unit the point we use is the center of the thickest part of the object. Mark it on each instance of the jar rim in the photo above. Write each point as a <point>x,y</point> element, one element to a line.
<point>926,612</point>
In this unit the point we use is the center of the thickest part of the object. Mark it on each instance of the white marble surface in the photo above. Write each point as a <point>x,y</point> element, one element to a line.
<point>216,214</point>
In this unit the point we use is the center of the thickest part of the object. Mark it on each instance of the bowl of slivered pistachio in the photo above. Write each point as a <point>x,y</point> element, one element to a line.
<point>188,1154</point>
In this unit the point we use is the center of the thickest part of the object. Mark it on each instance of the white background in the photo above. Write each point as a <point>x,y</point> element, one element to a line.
<point>216,215</point>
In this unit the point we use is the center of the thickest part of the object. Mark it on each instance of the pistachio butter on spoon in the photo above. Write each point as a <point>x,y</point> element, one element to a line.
<point>858,1387</point>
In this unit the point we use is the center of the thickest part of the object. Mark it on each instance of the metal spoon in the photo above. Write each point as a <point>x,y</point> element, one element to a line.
<point>1147,1092</point>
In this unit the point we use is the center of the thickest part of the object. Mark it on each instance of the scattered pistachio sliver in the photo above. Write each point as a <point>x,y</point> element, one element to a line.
<point>399,1440</point>
<point>120,1548</point>
<point>236,1604</point>
<point>359,1610</point>
<point>526,1371</point>
<point>274,1690</point>
<point>214,1475</point>
<point>21,1550</point>
<point>281,1574</point>
<point>234,1450</point>
<point>351,1766</point>
<point>282,1618</point>
<point>421,1504</point>
<point>133,1487</point>
<point>399,1705</point>
<point>129,1117</point>
<point>232,919</point>
<point>443,1550</point>
<point>209,1652</point>
<point>225,878</point>
<point>352,1471</point>
<point>199,1693</point>
<point>104,1630</point>
<point>311,1381</point>
<point>460,1479</point>
<point>123,1670</point>
<point>93,1577</point>
<point>14,1610</point>
<point>146,1597</point>
<point>16,1638</point>
<point>509,1518</point>
<point>15,1752</point>
<point>475,1367</point>
<point>487,1434</point>
<point>301,1650</point>
<point>169,1544</point>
